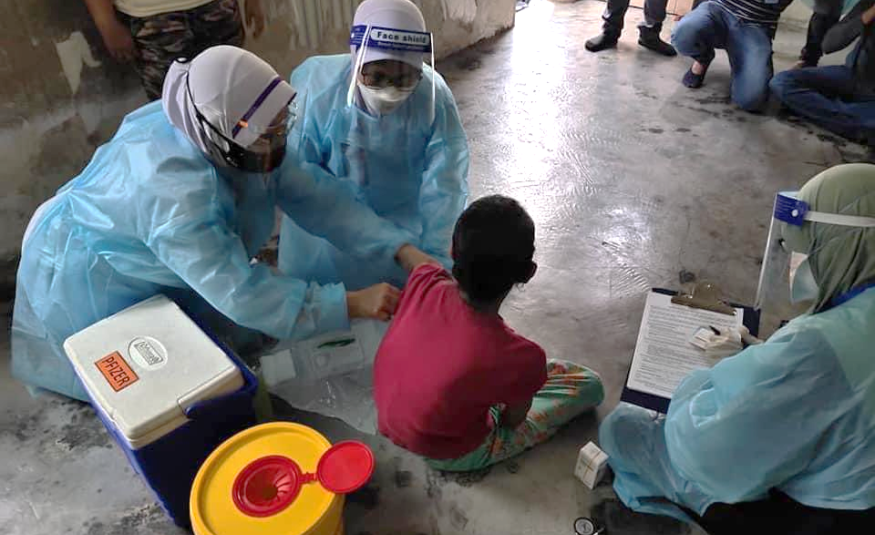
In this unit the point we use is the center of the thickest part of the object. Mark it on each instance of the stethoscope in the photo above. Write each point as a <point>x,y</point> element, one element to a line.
<point>585,526</point>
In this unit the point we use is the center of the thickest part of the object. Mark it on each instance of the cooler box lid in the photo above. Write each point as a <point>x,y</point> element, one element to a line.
<point>146,365</point>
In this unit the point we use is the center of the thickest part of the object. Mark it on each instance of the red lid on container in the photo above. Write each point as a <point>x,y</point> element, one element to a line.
<point>270,484</point>
<point>346,467</point>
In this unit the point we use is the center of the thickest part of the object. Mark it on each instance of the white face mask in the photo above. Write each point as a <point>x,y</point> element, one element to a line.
<point>384,101</point>
<point>803,287</point>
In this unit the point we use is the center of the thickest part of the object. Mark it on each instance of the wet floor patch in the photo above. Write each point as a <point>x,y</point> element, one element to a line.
<point>403,479</point>
<point>512,467</point>
<point>83,431</point>
<point>686,277</point>
<point>469,64</point>
<point>367,497</point>
<point>464,479</point>
<point>25,427</point>
<point>146,520</point>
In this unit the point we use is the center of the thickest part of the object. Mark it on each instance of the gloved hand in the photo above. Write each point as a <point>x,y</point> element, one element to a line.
<point>729,343</point>
<point>376,302</point>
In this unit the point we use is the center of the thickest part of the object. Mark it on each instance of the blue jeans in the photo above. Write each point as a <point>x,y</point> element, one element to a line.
<point>829,97</point>
<point>748,45</point>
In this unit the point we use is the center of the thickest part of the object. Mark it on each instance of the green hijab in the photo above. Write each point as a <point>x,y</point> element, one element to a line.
<point>842,258</point>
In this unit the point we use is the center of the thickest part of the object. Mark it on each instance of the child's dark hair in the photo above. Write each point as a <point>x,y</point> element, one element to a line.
<point>493,245</point>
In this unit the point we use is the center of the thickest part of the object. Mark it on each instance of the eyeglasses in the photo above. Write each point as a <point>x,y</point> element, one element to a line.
<point>280,126</point>
<point>380,80</point>
<point>271,140</point>
<point>277,130</point>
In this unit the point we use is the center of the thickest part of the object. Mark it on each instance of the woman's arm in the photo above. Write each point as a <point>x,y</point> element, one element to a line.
<point>188,232</point>
<point>326,207</point>
<point>211,259</point>
<point>445,182</point>
<point>755,420</point>
<point>849,28</point>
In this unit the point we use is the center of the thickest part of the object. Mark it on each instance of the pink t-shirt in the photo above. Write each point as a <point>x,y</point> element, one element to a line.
<point>442,365</point>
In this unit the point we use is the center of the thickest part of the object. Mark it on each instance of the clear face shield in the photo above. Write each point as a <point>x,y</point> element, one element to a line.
<point>787,286</point>
<point>384,92</point>
<point>265,147</point>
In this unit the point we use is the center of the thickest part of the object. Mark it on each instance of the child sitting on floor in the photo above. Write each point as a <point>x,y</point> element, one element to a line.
<point>452,381</point>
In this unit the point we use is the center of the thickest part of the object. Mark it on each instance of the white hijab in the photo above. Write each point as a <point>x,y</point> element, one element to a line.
<point>232,88</point>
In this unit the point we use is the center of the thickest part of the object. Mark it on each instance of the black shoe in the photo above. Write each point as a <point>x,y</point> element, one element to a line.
<point>693,80</point>
<point>602,41</point>
<point>649,38</point>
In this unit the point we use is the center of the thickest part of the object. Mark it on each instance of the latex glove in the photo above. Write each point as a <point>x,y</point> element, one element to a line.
<point>376,302</point>
<point>729,343</point>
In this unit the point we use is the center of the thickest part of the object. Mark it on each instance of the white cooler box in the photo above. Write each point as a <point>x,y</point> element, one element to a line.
<point>165,390</point>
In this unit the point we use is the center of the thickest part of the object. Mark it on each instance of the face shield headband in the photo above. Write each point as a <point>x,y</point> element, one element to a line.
<point>234,154</point>
<point>364,37</point>
<point>793,211</point>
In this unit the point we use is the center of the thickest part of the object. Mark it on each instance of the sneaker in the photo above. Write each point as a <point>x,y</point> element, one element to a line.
<point>649,39</point>
<point>603,41</point>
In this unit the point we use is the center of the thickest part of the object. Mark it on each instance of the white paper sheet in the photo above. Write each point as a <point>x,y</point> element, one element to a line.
<point>664,355</point>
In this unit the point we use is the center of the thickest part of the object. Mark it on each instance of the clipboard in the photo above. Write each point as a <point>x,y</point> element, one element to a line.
<point>750,319</point>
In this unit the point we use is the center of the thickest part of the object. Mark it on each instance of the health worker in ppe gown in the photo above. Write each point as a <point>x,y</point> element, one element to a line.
<point>386,126</point>
<point>780,437</point>
<point>179,202</point>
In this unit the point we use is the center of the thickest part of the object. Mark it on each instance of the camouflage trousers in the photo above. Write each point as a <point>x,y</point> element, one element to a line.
<point>161,39</point>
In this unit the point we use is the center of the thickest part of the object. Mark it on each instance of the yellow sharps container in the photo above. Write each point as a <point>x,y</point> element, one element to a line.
<point>278,479</point>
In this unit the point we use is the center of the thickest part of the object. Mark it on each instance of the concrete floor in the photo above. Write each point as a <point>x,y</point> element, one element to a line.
<point>631,179</point>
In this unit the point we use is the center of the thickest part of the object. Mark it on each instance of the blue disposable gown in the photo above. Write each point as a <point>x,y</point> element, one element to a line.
<point>150,214</point>
<point>410,166</point>
<point>796,413</point>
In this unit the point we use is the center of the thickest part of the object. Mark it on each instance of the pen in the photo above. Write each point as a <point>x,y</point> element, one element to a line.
<point>714,330</point>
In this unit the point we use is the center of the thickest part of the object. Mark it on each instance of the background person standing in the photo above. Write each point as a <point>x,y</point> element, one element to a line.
<point>648,30</point>
<point>154,33</point>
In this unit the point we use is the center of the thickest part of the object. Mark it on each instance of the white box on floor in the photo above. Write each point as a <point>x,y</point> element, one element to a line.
<point>146,365</point>
<point>592,463</point>
<point>166,392</point>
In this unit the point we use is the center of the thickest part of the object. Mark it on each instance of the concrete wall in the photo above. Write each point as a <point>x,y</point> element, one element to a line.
<point>62,95</point>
